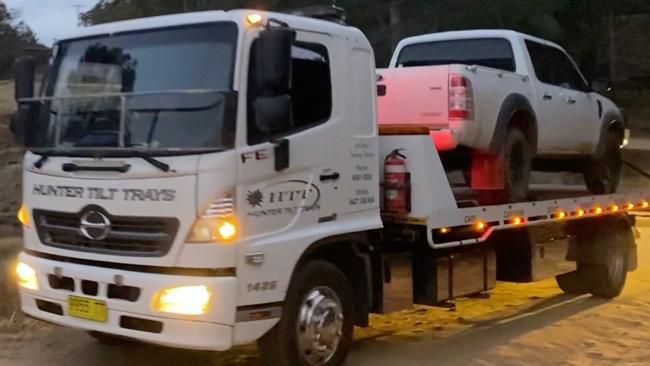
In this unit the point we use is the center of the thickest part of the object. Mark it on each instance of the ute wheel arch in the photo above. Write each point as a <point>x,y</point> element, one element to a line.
<point>516,111</point>
<point>345,253</point>
<point>614,123</point>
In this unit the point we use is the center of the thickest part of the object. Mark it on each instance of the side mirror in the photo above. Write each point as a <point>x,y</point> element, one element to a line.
<point>273,114</point>
<point>24,77</point>
<point>23,119</point>
<point>601,86</point>
<point>274,71</point>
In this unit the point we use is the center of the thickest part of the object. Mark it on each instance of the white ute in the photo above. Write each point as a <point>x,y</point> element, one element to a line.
<point>499,103</point>
<point>222,183</point>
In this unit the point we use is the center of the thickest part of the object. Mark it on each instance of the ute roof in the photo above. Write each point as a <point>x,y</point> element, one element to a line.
<point>478,33</point>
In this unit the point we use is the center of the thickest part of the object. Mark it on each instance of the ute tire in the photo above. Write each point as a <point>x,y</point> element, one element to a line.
<point>602,174</point>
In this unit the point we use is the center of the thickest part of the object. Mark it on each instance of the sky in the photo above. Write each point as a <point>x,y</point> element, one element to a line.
<point>49,19</point>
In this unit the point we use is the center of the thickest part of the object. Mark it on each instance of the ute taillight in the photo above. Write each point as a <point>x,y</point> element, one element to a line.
<point>461,98</point>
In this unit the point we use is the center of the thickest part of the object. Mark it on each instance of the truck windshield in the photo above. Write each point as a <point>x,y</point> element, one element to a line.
<point>165,89</point>
<point>489,52</point>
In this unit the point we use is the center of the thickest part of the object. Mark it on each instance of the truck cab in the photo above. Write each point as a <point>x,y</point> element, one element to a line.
<point>179,168</point>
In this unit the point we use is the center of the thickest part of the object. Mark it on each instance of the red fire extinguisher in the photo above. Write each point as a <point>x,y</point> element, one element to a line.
<point>397,184</point>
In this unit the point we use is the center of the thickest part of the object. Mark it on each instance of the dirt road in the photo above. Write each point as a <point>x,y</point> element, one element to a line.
<point>522,324</point>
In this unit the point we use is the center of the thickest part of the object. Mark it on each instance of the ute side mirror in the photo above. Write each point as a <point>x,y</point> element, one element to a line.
<point>24,78</point>
<point>601,86</point>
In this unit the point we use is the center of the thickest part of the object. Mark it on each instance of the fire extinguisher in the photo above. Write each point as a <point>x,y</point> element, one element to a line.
<point>397,184</point>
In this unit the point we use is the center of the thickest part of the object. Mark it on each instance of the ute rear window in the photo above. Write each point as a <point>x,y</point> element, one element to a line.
<point>489,52</point>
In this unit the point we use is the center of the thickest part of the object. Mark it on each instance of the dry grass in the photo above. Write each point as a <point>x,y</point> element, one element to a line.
<point>7,104</point>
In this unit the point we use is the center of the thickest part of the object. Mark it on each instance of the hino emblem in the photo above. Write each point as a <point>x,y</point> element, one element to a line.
<point>95,225</point>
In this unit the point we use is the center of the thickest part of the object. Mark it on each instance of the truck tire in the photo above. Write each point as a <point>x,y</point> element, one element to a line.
<point>603,172</point>
<point>317,320</point>
<point>574,283</point>
<point>517,156</point>
<point>608,279</point>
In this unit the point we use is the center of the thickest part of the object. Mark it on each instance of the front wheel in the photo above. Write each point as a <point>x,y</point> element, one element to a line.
<point>603,172</point>
<point>316,324</point>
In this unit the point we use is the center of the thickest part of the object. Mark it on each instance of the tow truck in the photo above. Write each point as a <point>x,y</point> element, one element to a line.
<point>211,179</point>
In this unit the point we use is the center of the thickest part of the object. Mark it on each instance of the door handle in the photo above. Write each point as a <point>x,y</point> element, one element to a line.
<point>570,100</point>
<point>331,176</point>
<point>547,96</point>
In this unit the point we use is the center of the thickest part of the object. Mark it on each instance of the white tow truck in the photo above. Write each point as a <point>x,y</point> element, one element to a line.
<point>212,179</point>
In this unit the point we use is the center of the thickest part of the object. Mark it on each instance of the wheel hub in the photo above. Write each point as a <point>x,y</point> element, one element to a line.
<point>320,325</point>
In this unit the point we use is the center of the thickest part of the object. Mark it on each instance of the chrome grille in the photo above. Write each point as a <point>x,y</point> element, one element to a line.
<point>128,236</point>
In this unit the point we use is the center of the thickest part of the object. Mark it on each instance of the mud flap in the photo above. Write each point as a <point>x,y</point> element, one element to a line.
<point>488,172</point>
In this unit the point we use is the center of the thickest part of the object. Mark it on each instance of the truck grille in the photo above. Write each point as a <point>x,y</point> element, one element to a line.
<point>128,236</point>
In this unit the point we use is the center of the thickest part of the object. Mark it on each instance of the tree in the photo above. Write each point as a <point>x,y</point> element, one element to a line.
<point>15,39</point>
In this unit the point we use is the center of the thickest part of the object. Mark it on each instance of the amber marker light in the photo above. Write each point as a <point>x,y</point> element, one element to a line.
<point>630,206</point>
<point>517,220</point>
<point>480,226</point>
<point>580,212</point>
<point>559,215</point>
<point>645,204</point>
<point>445,230</point>
<point>598,210</point>
<point>254,19</point>
<point>23,216</point>
<point>614,208</point>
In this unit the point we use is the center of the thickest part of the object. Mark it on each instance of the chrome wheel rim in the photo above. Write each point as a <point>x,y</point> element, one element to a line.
<point>320,325</point>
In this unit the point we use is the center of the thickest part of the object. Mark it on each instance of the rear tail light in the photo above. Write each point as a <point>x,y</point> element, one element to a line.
<point>461,98</point>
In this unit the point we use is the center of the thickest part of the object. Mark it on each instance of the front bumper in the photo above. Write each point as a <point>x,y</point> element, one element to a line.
<point>213,330</point>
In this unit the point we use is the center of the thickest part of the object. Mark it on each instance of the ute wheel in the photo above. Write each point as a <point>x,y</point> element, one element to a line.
<point>316,324</point>
<point>603,172</point>
<point>109,339</point>
<point>574,283</point>
<point>517,158</point>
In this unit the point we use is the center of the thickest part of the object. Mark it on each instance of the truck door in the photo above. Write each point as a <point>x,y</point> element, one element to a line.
<point>551,106</point>
<point>580,108</point>
<point>305,194</point>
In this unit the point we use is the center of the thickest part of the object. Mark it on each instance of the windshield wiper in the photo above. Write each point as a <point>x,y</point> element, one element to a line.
<point>155,162</point>
<point>42,160</point>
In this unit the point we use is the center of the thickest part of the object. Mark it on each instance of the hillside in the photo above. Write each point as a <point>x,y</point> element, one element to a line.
<point>10,168</point>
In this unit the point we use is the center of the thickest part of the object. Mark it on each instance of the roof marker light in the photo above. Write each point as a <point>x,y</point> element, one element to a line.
<point>254,19</point>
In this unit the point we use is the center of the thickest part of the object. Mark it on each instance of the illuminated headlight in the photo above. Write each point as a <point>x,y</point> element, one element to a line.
<point>26,276</point>
<point>189,300</point>
<point>217,224</point>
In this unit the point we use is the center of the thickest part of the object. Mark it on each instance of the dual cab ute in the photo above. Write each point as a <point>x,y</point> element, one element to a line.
<point>498,103</point>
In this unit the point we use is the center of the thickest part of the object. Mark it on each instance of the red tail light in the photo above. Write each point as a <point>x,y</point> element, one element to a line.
<point>461,98</point>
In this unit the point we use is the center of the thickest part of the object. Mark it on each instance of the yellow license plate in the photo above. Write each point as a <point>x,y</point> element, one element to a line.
<point>89,309</point>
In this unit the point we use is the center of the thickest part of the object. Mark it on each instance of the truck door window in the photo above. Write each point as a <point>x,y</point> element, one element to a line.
<point>552,66</point>
<point>489,52</point>
<point>311,90</point>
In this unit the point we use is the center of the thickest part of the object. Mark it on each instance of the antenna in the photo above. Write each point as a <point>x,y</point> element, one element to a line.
<point>78,7</point>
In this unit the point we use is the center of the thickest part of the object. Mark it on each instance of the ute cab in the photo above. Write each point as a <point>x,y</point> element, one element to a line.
<point>168,155</point>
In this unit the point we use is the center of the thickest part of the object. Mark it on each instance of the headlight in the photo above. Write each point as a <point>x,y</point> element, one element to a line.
<point>217,224</point>
<point>189,300</point>
<point>26,276</point>
<point>23,216</point>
